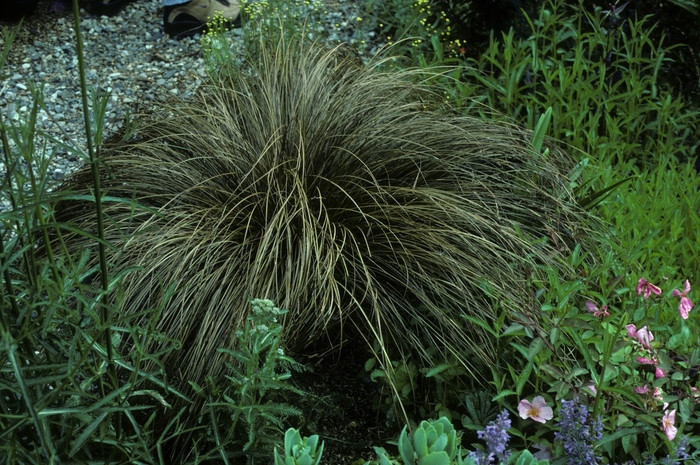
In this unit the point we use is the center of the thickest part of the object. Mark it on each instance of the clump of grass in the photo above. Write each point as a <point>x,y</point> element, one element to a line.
<point>341,193</point>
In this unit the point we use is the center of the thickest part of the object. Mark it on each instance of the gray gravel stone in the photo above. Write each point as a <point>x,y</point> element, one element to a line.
<point>128,55</point>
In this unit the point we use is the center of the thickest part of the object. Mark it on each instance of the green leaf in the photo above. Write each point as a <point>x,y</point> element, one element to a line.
<point>577,323</point>
<point>678,376</point>
<point>552,371</point>
<point>436,458</point>
<point>384,460</point>
<point>554,336</point>
<point>541,130</point>
<point>535,348</point>
<point>86,434</point>
<point>405,449</point>
<point>370,363</point>
<point>684,410</point>
<point>515,329</point>
<point>619,434</point>
<point>305,460</point>
<point>597,197</point>
<point>503,394</point>
<point>675,341</point>
<point>688,5</point>
<point>629,442</point>
<point>526,458</point>
<point>578,371</point>
<point>437,369</point>
<point>524,377</point>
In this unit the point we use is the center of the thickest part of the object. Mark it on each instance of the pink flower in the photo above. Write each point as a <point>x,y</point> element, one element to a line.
<point>660,373</point>
<point>591,308</point>
<point>537,410</point>
<point>658,393</point>
<point>591,386</point>
<point>667,422</point>
<point>686,305</point>
<point>631,330</point>
<point>645,337</point>
<point>646,361</point>
<point>641,389</point>
<point>646,288</point>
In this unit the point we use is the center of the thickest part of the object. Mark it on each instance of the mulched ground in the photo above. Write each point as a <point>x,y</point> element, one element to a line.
<point>340,406</point>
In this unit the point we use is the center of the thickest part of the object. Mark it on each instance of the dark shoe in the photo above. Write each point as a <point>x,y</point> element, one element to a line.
<point>106,7</point>
<point>188,19</point>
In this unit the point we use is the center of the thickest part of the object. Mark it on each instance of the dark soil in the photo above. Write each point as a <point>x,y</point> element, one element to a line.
<point>340,406</point>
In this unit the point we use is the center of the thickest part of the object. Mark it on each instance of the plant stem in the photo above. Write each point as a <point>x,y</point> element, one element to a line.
<point>104,277</point>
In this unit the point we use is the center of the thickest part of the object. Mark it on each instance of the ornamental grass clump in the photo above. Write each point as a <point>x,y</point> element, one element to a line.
<point>346,195</point>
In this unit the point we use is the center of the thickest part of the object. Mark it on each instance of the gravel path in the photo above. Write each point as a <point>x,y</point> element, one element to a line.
<point>127,55</point>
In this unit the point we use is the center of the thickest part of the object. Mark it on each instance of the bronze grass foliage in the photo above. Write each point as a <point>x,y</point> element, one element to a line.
<point>342,193</point>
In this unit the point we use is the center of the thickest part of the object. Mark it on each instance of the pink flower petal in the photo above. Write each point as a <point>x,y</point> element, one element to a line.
<point>604,312</point>
<point>591,386</point>
<point>536,411</point>
<point>685,307</point>
<point>539,402</point>
<point>644,336</point>
<point>640,286</point>
<point>667,424</point>
<point>645,288</point>
<point>524,408</point>
<point>641,389</point>
<point>591,307</point>
<point>547,413</point>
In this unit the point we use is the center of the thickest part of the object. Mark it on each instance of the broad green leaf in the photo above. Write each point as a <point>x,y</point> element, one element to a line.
<point>541,130</point>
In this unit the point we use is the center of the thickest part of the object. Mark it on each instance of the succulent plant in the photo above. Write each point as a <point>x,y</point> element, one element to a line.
<point>298,451</point>
<point>433,443</point>
<point>526,458</point>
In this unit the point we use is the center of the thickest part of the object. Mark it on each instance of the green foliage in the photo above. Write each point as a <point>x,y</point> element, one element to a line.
<point>377,218</point>
<point>412,27</point>
<point>258,371</point>
<point>479,410</point>
<point>216,45</point>
<point>87,363</point>
<point>526,458</point>
<point>689,5</point>
<point>267,22</point>
<point>595,359</point>
<point>64,392</point>
<point>654,220</point>
<point>432,442</point>
<point>436,442</point>
<point>601,82</point>
<point>82,381</point>
<point>298,451</point>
